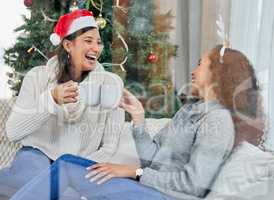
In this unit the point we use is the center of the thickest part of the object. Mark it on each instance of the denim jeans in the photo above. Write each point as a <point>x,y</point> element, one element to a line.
<point>70,170</point>
<point>28,163</point>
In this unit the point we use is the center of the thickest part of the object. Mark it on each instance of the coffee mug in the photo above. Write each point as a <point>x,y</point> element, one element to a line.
<point>90,93</point>
<point>110,96</point>
<point>111,91</point>
<point>107,93</point>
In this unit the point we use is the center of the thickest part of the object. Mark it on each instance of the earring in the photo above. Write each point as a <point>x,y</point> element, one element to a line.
<point>68,56</point>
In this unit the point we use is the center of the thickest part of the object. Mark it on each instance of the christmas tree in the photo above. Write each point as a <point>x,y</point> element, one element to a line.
<point>146,32</point>
<point>33,47</point>
<point>135,38</point>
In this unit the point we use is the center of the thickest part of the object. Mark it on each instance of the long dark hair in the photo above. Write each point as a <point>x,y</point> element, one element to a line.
<point>64,72</point>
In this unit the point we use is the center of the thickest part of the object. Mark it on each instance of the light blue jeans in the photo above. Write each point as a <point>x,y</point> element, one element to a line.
<point>27,164</point>
<point>70,170</point>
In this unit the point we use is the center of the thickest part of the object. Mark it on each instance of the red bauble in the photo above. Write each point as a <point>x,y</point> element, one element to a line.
<point>153,58</point>
<point>28,3</point>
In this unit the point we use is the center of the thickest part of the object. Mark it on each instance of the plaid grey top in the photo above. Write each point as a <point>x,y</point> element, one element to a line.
<point>183,159</point>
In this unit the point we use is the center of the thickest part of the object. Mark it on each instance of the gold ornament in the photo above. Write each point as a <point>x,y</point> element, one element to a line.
<point>101,22</point>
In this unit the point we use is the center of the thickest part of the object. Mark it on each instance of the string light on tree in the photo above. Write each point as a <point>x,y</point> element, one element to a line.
<point>34,48</point>
<point>47,18</point>
<point>121,65</point>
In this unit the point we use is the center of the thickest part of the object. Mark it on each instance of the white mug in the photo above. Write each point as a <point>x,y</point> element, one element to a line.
<point>110,96</point>
<point>90,93</point>
<point>111,91</point>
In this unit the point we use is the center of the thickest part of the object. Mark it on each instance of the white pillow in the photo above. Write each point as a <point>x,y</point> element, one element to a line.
<point>248,173</point>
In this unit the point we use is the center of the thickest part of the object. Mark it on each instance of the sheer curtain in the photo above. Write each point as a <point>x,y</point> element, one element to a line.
<point>187,35</point>
<point>252,32</point>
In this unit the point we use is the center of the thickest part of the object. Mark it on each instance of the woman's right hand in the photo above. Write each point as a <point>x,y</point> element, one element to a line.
<point>133,106</point>
<point>65,93</point>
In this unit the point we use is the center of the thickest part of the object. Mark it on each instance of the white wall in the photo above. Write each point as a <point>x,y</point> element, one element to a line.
<point>10,18</point>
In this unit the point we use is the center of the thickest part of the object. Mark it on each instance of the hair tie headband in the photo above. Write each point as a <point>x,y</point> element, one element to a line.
<point>223,36</point>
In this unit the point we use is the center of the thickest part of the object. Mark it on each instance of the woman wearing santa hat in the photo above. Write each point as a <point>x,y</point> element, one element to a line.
<point>50,118</point>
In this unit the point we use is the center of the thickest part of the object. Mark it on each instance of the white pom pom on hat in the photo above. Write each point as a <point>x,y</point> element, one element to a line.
<point>70,23</point>
<point>55,39</point>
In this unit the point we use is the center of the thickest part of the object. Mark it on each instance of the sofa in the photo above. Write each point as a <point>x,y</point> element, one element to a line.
<point>247,174</point>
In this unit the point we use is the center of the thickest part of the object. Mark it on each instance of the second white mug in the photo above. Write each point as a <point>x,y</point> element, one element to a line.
<point>110,96</point>
<point>90,93</point>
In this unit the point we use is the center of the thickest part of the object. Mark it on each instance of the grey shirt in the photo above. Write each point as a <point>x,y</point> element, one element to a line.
<point>183,159</point>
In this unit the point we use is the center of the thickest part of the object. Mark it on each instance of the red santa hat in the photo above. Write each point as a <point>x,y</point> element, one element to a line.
<point>70,23</point>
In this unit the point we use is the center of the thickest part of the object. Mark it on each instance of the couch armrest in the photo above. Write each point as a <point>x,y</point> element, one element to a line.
<point>7,149</point>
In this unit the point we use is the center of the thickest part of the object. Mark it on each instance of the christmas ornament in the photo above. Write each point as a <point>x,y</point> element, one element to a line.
<point>28,3</point>
<point>101,22</point>
<point>152,57</point>
<point>74,6</point>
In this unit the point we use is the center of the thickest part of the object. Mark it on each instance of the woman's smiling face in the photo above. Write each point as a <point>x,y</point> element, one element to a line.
<point>201,77</point>
<point>84,50</point>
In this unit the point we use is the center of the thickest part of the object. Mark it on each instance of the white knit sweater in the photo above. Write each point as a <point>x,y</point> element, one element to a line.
<point>37,121</point>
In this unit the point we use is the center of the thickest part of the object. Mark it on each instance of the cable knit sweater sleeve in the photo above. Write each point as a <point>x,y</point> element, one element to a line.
<point>147,147</point>
<point>33,106</point>
<point>110,141</point>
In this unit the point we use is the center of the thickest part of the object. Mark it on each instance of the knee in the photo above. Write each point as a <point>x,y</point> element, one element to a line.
<point>31,158</point>
<point>66,157</point>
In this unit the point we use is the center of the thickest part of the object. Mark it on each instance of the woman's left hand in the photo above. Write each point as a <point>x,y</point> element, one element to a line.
<point>103,172</point>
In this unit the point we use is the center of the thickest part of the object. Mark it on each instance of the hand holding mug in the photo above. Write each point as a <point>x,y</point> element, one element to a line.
<point>65,93</point>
